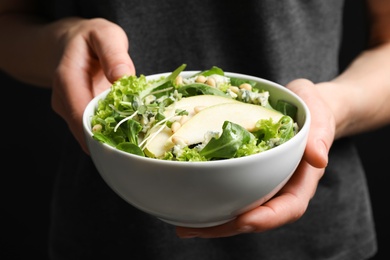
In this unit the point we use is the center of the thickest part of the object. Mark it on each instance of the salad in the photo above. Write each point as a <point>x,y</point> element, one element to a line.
<point>206,116</point>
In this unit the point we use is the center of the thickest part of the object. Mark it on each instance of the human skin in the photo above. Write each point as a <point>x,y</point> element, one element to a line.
<point>71,57</point>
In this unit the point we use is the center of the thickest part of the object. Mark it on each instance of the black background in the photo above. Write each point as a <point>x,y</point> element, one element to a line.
<point>31,134</point>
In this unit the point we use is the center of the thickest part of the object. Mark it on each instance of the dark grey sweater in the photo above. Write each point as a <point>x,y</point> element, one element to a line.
<point>276,40</point>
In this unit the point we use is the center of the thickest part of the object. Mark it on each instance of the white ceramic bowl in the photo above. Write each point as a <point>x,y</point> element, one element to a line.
<point>201,194</point>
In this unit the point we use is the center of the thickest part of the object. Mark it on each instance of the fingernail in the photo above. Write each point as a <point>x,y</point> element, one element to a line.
<point>323,151</point>
<point>246,229</point>
<point>120,71</point>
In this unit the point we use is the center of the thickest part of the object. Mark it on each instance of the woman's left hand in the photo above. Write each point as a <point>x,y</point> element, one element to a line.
<point>291,202</point>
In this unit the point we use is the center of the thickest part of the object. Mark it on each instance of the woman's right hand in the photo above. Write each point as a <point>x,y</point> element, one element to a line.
<point>78,58</point>
<point>91,55</point>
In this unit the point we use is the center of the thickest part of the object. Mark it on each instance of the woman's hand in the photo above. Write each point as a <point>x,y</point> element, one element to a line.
<point>290,203</point>
<point>78,58</point>
<point>92,54</point>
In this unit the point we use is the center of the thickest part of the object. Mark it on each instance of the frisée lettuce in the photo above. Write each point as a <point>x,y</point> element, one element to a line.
<point>207,116</point>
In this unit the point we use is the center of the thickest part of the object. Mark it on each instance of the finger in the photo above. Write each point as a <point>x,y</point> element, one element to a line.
<point>110,44</point>
<point>71,93</point>
<point>322,128</point>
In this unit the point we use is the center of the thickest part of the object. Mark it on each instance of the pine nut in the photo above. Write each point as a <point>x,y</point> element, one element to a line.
<point>197,109</point>
<point>201,79</point>
<point>178,80</point>
<point>97,128</point>
<point>234,89</point>
<point>246,86</point>
<point>175,126</point>
<point>211,82</point>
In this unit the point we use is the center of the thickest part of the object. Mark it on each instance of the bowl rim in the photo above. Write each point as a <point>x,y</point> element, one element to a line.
<point>92,105</point>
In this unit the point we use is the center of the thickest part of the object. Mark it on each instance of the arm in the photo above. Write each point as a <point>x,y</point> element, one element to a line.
<point>71,56</point>
<point>362,91</point>
<point>19,56</point>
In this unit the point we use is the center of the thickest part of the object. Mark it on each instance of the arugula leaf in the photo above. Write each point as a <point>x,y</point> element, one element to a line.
<point>130,148</point>
<point>133,129</point>
<point>226,146</point>
<point>200,89</point>
<point>286,108</point>
<point>104,139</point>
<point>165,83</point>
<point>212,71</point>
<point>237,82</point>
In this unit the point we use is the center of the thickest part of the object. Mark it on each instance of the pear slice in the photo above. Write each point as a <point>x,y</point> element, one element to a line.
<point>160,134</point>
<point>190,103</point>
<point>211,119</point>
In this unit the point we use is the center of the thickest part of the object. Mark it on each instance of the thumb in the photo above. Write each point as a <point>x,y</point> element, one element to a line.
<point>111,45</point>
<point>322,127</point>
<point>120,70</point>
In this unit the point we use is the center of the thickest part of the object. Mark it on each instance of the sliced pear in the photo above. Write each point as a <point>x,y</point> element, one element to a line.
<point>213,117</point>
<point>158,137</point>
<point>190,103</point>
<point>160,134</point>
